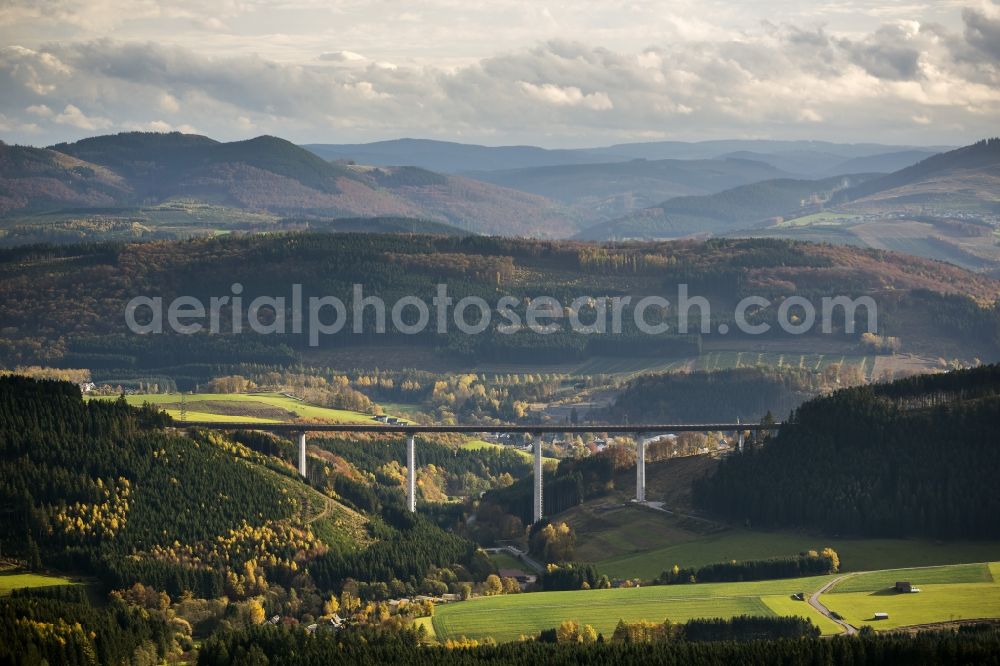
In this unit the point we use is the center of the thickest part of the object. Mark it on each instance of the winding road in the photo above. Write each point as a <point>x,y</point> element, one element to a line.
<point>818,605</point>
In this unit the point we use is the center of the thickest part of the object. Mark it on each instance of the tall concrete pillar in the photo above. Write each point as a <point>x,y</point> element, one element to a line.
<point>739,439</point>
<point>302,453</point>
<point>640,468</point>
<point>538,482</point>
<point>411,474</point>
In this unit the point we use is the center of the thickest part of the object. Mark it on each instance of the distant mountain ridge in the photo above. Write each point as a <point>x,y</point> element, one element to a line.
<point>739,207</point>
<point>983,154</point>
<point>266,174</point>
<point>452,157</point>
<point>610,189</point>
<point>971,173</point>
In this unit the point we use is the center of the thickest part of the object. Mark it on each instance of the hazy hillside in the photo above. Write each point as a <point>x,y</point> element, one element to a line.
<point>451,157</point>
<point>712,149</point>
<point>36,177</point>
<point>612,189</point>
<point>127,173</point>
<point>940,179</point>
<point>819,164</point>
<point>739,207</point>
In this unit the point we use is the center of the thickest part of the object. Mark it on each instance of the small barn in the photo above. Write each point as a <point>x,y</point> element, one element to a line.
<point>904,586</point>
<point>881,616</point>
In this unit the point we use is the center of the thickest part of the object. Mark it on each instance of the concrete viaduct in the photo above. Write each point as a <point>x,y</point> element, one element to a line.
<point>641,431</point>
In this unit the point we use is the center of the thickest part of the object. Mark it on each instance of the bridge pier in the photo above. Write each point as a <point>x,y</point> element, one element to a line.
<point>302,454</point>
<point>739,438</point>
<point>640,468</point>
<point>538,482</point>
<point>411,474</point>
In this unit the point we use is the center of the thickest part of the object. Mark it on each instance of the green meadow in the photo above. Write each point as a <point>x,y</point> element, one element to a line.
<point>506,618</point>
<point>16,581</point>
<point>947,594</point>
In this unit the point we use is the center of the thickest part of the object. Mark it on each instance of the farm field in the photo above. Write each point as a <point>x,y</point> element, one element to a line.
<point>257,407</point>
<point>947,594</point>
<point>935,603</point>
<point>879,581</point>
<point>506,618</point>
<point>691,543</point>
<point>14,581</point>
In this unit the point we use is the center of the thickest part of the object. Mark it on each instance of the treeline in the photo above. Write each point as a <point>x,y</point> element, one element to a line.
<point>805,564</point>
<point>749,628</point>
<point>913,457</point>
<point>289,646</point>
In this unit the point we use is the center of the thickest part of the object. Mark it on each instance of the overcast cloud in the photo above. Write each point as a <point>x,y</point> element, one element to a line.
<point>500,72</point>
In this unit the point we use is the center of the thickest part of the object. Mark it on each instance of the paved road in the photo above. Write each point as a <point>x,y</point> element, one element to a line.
<point>818,605</point>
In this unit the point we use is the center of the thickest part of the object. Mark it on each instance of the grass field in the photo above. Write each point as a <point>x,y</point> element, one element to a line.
<point>507,617</point>
<point>947,594</point>
<point>16,581</point>
<point>256,407</point>
<point>936,603</point>
<point>855,554</point>
<point>879,581</point>
<point>477,444</point>
<point>507,561</point>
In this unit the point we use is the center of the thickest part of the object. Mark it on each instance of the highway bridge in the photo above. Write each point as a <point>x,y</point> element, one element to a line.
<point>641,431</point>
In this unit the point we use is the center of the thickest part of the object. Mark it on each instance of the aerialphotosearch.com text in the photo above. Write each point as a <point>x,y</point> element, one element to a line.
<point>319,316</point>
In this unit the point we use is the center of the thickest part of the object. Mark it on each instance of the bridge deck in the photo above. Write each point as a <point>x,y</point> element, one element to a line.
<point>645,428</point>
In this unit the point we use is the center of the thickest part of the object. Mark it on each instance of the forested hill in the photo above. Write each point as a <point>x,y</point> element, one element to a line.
<point>116,175</point>
<point>80,293</point>
<point>694,397</point>
<point>914,457</point>
<point>98,487</point>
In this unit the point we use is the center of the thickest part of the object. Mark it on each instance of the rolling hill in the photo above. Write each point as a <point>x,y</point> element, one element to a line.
<point>736,208</point>
<point>966,177</point>
<point>452,157</point>
<point>120,176</point>
<point>945,207</point>
<point>36,177</point>
<point>449,156</point>
<point>909,458</point>
<point>610,189</point>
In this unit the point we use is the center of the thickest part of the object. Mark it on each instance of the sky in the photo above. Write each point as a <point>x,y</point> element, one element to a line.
<point>500,72</point>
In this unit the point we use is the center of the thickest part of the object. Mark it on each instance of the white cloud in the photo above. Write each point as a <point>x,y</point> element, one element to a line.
<point>550,93</point>
<point>690,78</point>
<point>40,110</point>
<point>169,103</point>
<point>72,115</point>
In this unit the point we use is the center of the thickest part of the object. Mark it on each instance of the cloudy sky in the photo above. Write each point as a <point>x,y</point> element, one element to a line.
<point>573,73</point>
